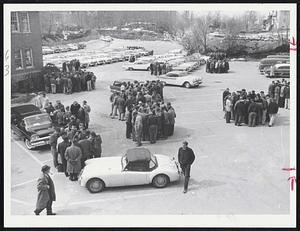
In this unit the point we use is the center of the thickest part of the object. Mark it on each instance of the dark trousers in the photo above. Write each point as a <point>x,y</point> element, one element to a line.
<point>128,130</point>
<point>171,129</point>
<point>238,119</point>
<point>186,169</point>
<point>82,162</point>
<point>166,130</point>
<point>252,119</point>
<point>73,176</point>
<point>54,155</point>
<point>153,133</point>
<point>228,116</point>
<point>48,208</point>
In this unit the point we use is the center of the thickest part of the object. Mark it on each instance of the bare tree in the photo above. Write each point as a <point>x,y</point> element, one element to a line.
<point>200,32</point>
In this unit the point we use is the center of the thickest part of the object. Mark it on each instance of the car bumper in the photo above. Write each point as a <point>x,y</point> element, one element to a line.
<point>40,142</point>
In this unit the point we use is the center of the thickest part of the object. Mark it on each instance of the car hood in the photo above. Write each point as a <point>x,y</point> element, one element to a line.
<point>164,160</point>
<point>103,165</point>
<point>40,129</point>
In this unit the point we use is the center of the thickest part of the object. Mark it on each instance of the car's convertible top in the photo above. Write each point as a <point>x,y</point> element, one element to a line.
<point>138,154</point>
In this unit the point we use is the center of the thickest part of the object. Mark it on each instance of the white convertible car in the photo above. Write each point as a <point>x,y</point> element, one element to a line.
<point>137,167</point>
<point>180,78</point>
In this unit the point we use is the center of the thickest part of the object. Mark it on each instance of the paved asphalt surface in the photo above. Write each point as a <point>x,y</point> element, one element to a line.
<point>237,169</point>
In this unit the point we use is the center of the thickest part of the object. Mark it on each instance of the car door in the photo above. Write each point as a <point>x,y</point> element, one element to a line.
<point>136,173</point>
<point>170,78</point>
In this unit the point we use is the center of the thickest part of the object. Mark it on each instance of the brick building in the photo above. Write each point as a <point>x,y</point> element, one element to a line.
<point>26,51</point>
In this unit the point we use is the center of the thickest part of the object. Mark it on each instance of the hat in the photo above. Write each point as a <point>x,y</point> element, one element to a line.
<point>45,168</point>
<point>185,142</point>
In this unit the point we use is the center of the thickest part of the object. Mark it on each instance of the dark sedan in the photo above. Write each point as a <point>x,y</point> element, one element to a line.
<point>31,125</point>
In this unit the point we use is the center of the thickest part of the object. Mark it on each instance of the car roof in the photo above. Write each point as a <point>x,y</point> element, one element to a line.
<point>138,154</point>
<point>282,64</point>
<point>32,116</point>
<point>25,110</point>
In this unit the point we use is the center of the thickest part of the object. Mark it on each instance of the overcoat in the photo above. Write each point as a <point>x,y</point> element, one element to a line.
<point>44,193</point>
<point>73,156</point>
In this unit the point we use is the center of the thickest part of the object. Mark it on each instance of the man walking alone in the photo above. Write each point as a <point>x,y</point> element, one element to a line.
<point>186,158</point>
<point>46,192</point>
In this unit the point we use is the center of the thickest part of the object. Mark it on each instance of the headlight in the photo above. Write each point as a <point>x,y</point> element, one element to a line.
<point>34,137</point>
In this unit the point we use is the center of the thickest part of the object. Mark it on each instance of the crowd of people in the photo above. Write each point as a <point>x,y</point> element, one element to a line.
<point>71,143</point>
<point>256,108</point>
<point>142,106</point>
<point>217,63</point>
<point>71,79</point>
<point>159,68</point>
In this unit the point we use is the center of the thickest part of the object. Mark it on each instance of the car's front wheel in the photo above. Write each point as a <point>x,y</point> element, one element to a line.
<point>187,85</point>
<point>28,144</point>
<point>160,181</point>
<point>95,185</point>
<point>130,69</point>
<point>148,68</point>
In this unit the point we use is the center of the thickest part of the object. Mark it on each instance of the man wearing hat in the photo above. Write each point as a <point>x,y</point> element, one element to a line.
<point>46,192</point>
<point>186,158</point>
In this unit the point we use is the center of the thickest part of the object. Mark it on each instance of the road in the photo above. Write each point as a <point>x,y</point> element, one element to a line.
<point>237,169</point>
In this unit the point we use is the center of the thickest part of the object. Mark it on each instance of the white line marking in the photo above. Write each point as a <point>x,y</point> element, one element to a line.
<point>124,197</point>
<point>46,161</point>
<point>30,154</point>
<point>21,184</point>
<point>21,202</point>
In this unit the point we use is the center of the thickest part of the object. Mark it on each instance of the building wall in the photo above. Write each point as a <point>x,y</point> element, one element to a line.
<point>23,40</point>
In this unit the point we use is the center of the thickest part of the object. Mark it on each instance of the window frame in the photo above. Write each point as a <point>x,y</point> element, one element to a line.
<point>27,17</point>
<point>28,67</point>
<point>22,63</point>
<point>18,22</point>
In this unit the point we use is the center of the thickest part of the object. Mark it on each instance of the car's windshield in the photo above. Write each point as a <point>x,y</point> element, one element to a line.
<point>37,120</point>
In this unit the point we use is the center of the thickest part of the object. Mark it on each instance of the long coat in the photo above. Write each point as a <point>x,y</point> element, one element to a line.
<point>73,156</point>
<point>44,193</point>
<point>87,110</point>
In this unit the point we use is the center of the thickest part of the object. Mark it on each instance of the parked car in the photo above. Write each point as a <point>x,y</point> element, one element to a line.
<point>137,65</point>
<point>137,167</point>
<point>31,125</point>
<point>280,71</point>
<point>267,62</point>
<point>116,86</point>
<point>47,50</point>
<point>180,78</point>
<point>187,66</point>
<point>73,47</point>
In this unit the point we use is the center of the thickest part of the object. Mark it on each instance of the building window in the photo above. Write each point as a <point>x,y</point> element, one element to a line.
<point>28,58</point>
<point>18,60</point>
<point>14,22</point>
<point>24,19</point>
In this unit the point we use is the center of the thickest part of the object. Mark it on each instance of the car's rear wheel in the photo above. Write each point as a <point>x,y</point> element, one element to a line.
<point>187,85</point>
<point>148,68</point>
<point>160,181</point>
<point>28,145</point>
<point>95,185</point>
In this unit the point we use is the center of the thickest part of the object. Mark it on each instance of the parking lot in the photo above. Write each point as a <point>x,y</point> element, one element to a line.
<point>237,169</point>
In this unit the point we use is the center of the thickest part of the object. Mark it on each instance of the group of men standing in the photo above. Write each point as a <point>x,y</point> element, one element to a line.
<point>280,91</point>
<point>159,68</point>
<point>249,108</point>
<point>217,63</point>
<point>69,81</point>
<point>72,146</point>
<point>147,117</point>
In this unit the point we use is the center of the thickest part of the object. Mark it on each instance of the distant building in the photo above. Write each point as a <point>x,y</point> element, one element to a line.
<point>26,51</point>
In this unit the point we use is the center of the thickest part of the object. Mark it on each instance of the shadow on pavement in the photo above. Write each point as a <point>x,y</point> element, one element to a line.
<point>204,184</point>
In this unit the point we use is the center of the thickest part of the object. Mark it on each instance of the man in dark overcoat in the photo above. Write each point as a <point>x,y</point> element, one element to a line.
<point>239,109</point>
<point>61,151</point>
<point>73,156</point>
<point>186,158</point>
<point>46,192</point>
<point>86,149</point>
